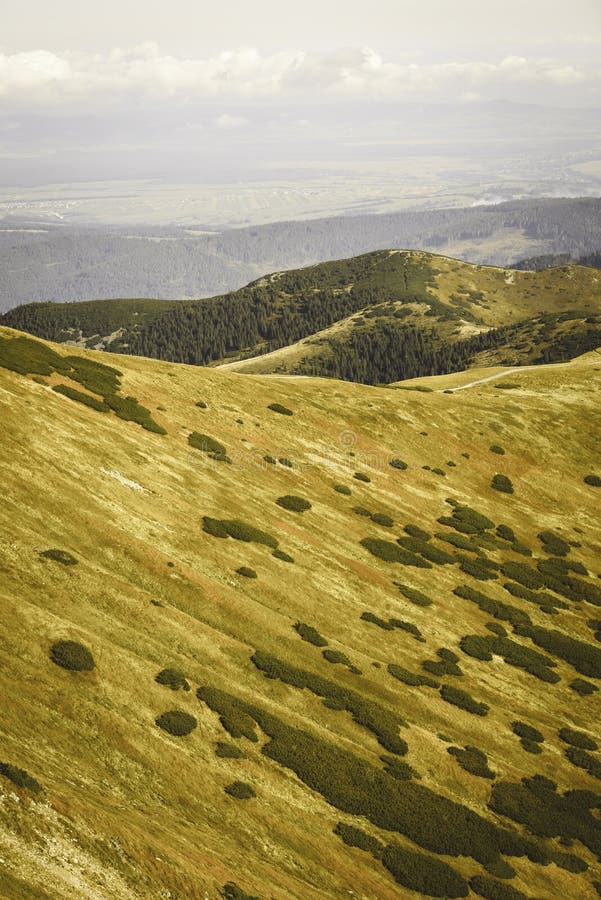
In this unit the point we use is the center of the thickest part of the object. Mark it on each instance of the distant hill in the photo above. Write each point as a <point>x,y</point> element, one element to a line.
<point>63,263</point>
<point>376,318</point>
<point>297,639</point>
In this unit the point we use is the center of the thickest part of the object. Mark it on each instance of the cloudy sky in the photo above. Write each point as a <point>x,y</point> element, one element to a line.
<point>90,88</point>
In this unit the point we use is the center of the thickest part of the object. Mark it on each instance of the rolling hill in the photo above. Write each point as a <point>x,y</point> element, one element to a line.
<point>377,318</point>
<point>298,638</point>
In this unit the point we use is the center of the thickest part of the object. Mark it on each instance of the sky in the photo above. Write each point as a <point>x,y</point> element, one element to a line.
<point>83,84</point>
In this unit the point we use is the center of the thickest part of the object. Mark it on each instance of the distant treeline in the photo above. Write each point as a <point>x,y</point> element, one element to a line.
<point>76,264</point>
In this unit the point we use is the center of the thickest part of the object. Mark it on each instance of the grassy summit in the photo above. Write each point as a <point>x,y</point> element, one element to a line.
<point>341,677</point>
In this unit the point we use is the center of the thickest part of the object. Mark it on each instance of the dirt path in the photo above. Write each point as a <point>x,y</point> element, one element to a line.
<point>470,384</point>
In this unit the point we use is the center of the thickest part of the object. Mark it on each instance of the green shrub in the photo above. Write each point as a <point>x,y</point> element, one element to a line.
<point>285,557</point>
<point>173,679</point>
<point>80,397</point>
<point>361,476</point>
<point>214,527</point>
<point>285,462</point>
<point>231,891</point>
<point>28,357</point>
<point>494,608</point>
<point>270,459</point>
<point>446,664</point>
<point>461,541</point>
<point>282,410</point>
<point>428,551</point>
<point>382,519</point>
<point>553,544</point>
<point>411,678</point>
<point>201,404</point>
<point>361,511</point>
<point>585,658</point>
<point>413,595</point>
<point>506,533</point>
<point>547,602</point>
<point>128,409</point>
<point>73,656</point>
<point>483,647</point>
<point>240,531</point>
<point>577,739</point>
<point>494,890</point>
<point>592,480</point>
<point>416,532</point>
<point>228,751</point>
<point>310,634</point>
<point>585,761</point>
<point>507,386</point>
<point>424,874</point>
<point>398,464</point>
<point>234,719</point>
<point>531,746</point>
<point>20,778</point>
<point>438,471</point>
<point>176,722</point>
<point>246,572</point>
<point>410,628</point>
<point>398,768</point>
<point>523,730</point>
<point>390,552</point>
<point>59,556</point>
<point>502,483</point>
<point>463,700</point>
<point>354,837</point>
<point>336,657</point>
<point>478,568</point>
<point>207,444</point>
<point>380,721</point>
<point>239,790</point>
<point>292,503</point>
<point>342,489</point>
<point>472,760</point>
<point>386,624</point>
<point>496,448</point>
<point>584,688</point>
<point>523,574</point>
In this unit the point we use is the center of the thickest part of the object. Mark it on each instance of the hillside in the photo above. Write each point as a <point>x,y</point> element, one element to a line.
<point>402,702</point>
<point>377,318</point>
<point>41,261</point>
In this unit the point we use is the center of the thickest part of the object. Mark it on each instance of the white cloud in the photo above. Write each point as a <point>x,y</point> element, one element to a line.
<point>41,79</point>
<point>230,123</point>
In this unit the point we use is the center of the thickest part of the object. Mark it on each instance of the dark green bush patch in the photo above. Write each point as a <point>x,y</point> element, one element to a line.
<point>283,461</point>
<point>20,778</point>
<point>390,552</point>
<point>577,739</point>
<point>342,489</point>
<point>413,595</point>
<point>592,480</point>
<point>463,700</point>
<point>80,397</point>
<point>467,520</point>
<point>246,572</point>
<point>546,602</point>
<point>496,448</point>
<point>361,511</point>
<point>239,790</point>
<point>270,459</point>
<point>285,557</point>
<point>361,476</point>
<point>310,634</point>
<point>423,873</point>
<point>398,768</point>
<point>507,386</point>
<point>207,444</point>
<point>582,687</point>
<point>128,409</point>
<point>446,664</point>
<point>173,679</point>
<point>523,730</point>
<point>201,404</point>
<point>417,532</point>
<point>383,723</point>
<point>553,544</point>
<point>176,722</point>
<point>228,751</point>
<point>483,646</point>
<point>585,658</point>
<point>236,721</point>
<point>409,627</point>
<point>494,608</point>
<point>495,890</point>
<point>336,657</point>
<point>231,891</point>
<point>72,655</point>
<point>398,464</point>
<point>530,746</point>
<point>496,628</point>
<point>293,503</point>
<point>506,533</point>
<point>382,519</point>
<point>439,471</point>
<point>413,679</point>
<point>240,531</point>
<point>428,551</point>
<point>385,624</point>
<point>354,837</point>
<point>59,556</point>
<point>472,760</point>
<point>478,568</point>
<point>282,410</point>
<point>502,483</point>
<point>524,574</point>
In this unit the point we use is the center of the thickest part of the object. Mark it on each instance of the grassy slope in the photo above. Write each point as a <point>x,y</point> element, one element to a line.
<point>130,811</point>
